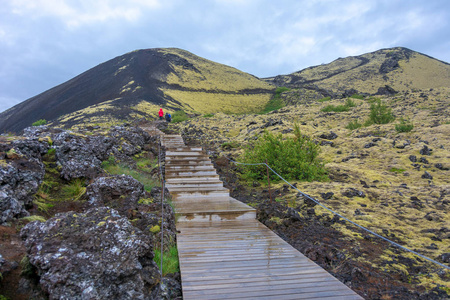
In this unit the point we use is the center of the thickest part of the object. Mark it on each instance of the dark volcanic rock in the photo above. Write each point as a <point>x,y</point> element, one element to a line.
<point>425,150</point>
<point>94,255</point>
<point>77,156</point>
<point>19,181</point>
<point>329,136</point>
<point>386,90</point>
<point>427,175</point>
<point>327,195</point>
<point>121,192</point>
<point>351,192</point>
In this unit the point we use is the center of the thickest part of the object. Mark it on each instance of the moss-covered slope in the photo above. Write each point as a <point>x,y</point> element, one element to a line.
<point>136,84</point>
<point>400,69</point>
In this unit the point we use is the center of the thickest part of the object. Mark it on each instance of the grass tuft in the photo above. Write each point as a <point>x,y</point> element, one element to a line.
<point>170,260</point>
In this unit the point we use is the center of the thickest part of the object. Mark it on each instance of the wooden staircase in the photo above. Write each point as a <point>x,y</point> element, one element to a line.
<point>224,252</point>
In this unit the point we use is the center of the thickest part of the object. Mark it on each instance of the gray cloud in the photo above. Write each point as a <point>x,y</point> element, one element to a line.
<point>46,42</point>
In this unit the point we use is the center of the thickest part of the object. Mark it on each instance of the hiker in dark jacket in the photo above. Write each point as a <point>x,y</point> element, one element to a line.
<point>168,117</point>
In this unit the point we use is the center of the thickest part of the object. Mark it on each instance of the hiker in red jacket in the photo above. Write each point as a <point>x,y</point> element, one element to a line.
<point>161,114</point>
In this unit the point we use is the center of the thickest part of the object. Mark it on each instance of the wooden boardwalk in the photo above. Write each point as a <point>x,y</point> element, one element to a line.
<point>224,252</point>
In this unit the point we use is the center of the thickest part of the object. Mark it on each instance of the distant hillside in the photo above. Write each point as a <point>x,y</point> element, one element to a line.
<point>136,85</point>
<point>384,71</point>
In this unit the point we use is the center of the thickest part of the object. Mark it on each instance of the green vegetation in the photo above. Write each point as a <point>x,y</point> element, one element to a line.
<point>179,116</point>
<point>75,189</point>
<point>397,170</point>
<point>33,218</point>
<point>324,99</point>
<point>276,102</point>
<point>352,125</point>
<point>208,115</point>
<point>140,175</point>
<point>40,122</point>
<point>357,96</point>
<point>379,114</point>
<point>339,108</point>
<point>404,126</point>
<point>230,145</point>
<point>292,157</point>
<point>170,260</point>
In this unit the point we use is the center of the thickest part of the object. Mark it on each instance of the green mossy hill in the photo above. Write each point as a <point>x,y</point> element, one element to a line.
<point>136,85</point>
<point>384,71</point>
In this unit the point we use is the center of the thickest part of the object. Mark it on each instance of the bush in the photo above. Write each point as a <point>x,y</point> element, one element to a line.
<point>340,108</point>
<point>208,115</point>
<point>404,126</point>
<point>39,122</point>
<point>179,116</point>
<point>380,114</point>
<point>352,125</point>
<point>293,158</point>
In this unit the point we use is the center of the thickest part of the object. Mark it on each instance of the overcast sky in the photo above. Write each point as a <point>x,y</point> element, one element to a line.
<point>46,42</point>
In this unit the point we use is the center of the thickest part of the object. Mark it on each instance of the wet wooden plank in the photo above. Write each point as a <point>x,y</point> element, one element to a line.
<point>233,258</point>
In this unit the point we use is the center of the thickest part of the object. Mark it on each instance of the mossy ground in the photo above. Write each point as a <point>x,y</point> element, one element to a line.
<point>389,207</point>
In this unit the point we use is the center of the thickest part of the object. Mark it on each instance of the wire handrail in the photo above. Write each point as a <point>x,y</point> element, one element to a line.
<point>341,216</point>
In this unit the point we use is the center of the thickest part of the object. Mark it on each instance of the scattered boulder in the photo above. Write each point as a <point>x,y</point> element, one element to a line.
<point>425,150</point>
<point>327,196</point>
<point>272,122</point>
<point>445,257</point>
<point>351,192</point>
<point>121,192</point>
<point>441,167</point>
<point>427,175</point>
<point>19,181</point>
<point>328,136</point>
<point>369,145</point>
<point>413,158</point>
<point>78,156</point>
<point>94,255</point>
<point>424,160</point>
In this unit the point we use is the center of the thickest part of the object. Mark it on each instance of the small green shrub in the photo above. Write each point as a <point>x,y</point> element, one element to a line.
<point>338,108</point>
<point>404,126</point>
<point>325,99</point>
<point>396,170</point>
<point>293,158</point>
<point>379,114</point>
<point>179,116</point>
<point>208,115</point>
<point>352,125</point>
<point>40,122</point>
<point>350,103</point>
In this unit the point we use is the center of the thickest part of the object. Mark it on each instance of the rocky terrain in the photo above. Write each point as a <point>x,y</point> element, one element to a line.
<point>76,193</point>
<point>72,230</point>
<point>393,183</point>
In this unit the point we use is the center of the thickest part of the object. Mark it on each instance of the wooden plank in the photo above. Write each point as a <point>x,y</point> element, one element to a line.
<point>230,258</point>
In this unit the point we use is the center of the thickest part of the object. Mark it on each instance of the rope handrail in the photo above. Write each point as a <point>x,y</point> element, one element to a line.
<point>162,201</point>
<point>346,219</point>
